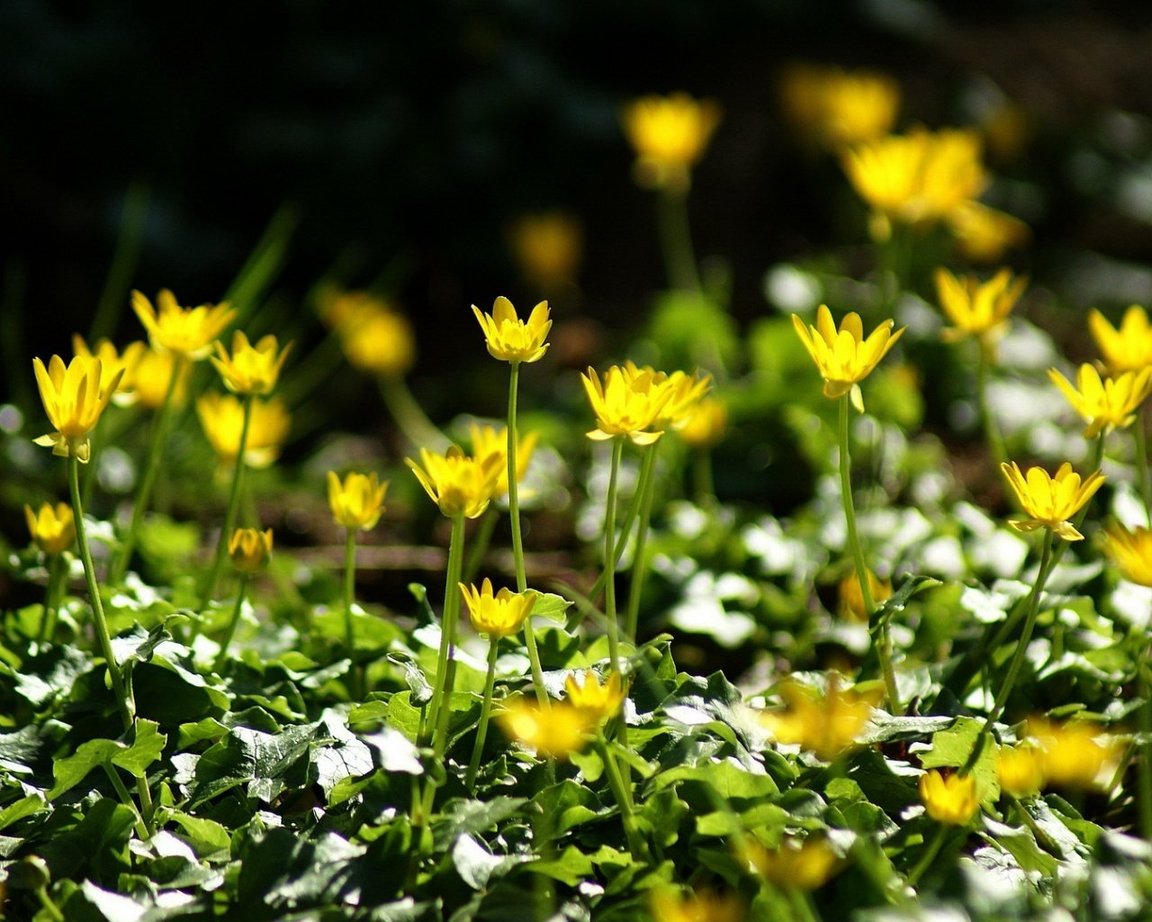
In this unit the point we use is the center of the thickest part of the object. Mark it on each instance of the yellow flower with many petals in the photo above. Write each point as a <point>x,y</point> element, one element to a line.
<point>1021,770</point>
<point>669,134</point>
<point>838,108</point>
<point>626,403</point>
<point>682,393</point>
<point>1131,551</point>
<point>358,501</point>
<point>249,549</point>
<point>983,234</point>
<point>827,725</point>
<point>74,400</point>
<point>1128,348</point>
<point>950,800</point>
<point>1105,403</point>
<point>1049,502</point>
<point>1076,754</point>
<point>498,615</point>
<point>666,904</point>
<point>53,528</point>
<point>222,417</point>
<point>112,362</point>
<point>706,424</point>
<point>547,247</point>
<point>489,441</point>
<point>250,369</point>
<point>555,734</point>
<point>844,357</point>
<point>457,483</point>
<point>852,600</point>
<point>589,695</point>
<point>796,865</point>
<point>511,339</point>
<point>152,375</point>
<point>978,308</point>
<point>186,331</point>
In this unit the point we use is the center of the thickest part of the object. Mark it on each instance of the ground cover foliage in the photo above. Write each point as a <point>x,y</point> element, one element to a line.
<point>915,689</point>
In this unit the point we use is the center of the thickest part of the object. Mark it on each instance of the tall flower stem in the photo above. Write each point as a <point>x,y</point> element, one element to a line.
<point>481,539</point>
<point>676,240</point>
<point>151,469</point>
<point>349,623</point>
<point>1140,436</point>
<point>646,488</point>
<point>610,570</point>
<point>992,434</point>
<point>943,833</point>
<point>233,623</point>
<point>440,706</point>
<point>126,705</point>
<point>1144,716</point>
<point>636,844</point>
<point>233,506</point>
<point>703,483</point>
<point>57,568</point>
<point>485,715</point>
<point>518,538</point>
<point>883,637</point>
<point>408,415</point>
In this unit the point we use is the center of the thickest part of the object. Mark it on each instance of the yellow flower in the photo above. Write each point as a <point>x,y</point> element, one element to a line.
<point>151,377</point>
<point>1075,754</point>
<point>222,417</point>
<point>626,404</point>
<point>547,247</point>
<point>554,734</point>
<point>852,600</point>
<point>1049,502</point>
<point>796,865</point>
<point>951,800</point>
<point>1131,551</point>
<point>919,177</point>
<point>499,615</point>
<point>978,308</point>
<point>53,528</point>
<point>669,134</point>
<point>250,369</point>
<point>1021,770</point>
<point>187,331</point>
<point>511,339</point>
<point>489,441</point>
<point>706,424</point>
<point>827,724</point>
<point>1128,348</point>
<point>1105,403</point>
<point>357,502</point>
<point>839,108</point>
<point>680,392</point>
<point>73,399</point>
<point>112,362</point>
<point>667,904</point>
<point>983,234</point>
<point>589,695</point>
<point>249,549</point>
<point>376,338</point>
<point>844,357</point>
<point>458,484</point>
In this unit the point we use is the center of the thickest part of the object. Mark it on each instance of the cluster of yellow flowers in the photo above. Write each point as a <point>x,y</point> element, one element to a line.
<point>837,108</point>
<point>566,726</point>
<point>1076,754</point>
<point>642,403</point>
<point>827,724</point>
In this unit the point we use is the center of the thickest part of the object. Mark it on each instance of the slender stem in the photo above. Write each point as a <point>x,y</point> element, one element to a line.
<point>636,843</point>
<point>412,420</point>
<point>647,490</point>
<point>485,714</point>
<point>1140,435</point>
<point>676,239</point>
<point>1144,715</point>
<point>481,539</point>
<point>1042,838</point>
<point>126,799</point>
<point>442,689</point>
<point>992,434</point>
<point>56,571</point>
<point>152,467</point>
<point>624,527</point>
<point>930,853</point>
<point>233,623</point>
<point>702,480</point>
<point>349,590</point>
<point>801,902</point>
<point>49,904</point>
<point>883,637</point>
<point>610,571</point>
<point>233,506</point>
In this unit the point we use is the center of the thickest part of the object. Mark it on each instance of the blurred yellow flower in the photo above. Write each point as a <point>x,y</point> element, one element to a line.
<point>358,501</point>
<point>222,418</point>
<point>1049,502</point>
<point>151,377</point>
<point>113,361</point>
<point>844,357</point>
<point>669,134</point>
<point>919,177</point>
<point>555,734</point>
<point>589,695</point>
<point>1128,348</point>
<point>1105,403</point>
<point>1021,770</point>
<point>547,247</point>
<point>950,800</point>
<point>249,549</point>
<point>626,403</point>
<point>488,440</point>
<point>795,865</point>
<point>457,483</point>
<point>706,424</point>
<point>511,339</point>
<point>837,108</point>
<point>1076,754</point>
<point>1131,552</point>
<point>250,369</point>
<point>74,400</point>
<point>499,615</point>
<point>852,600</point>
<point>187,331</point>
<point>667,904</point>
<point>977,308</point>
<point>826,724</point>
<point>984,234</point>
<point>378,341</point>
<point>53,528</point>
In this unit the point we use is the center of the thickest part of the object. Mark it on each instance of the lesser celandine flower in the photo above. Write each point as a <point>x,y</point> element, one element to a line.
<point>488,441</point>
<point>825,724</point>
<point>977,308</point>
<point>1127,348</point>
<point>852,599</point>
<point>796,864</point>
<point>706,423</point>
<point>951,799</point>
<point>555,733</point>
<point>845,357</point>
<point>222,417</point>
<point>1104,403</point>
<point>1050,502</point>
<point>669,134</point>
<point>250,369</point>
<point>626,404</point>
<point>680,392</point>
<point>250,548</point>
<point>1021,770</point>
<point>837,108</point>
<point>53,528</point>
<point>113,362</point>
<point>511,339</point>
<point>377,340</point>
<point>1076,754</point>
<point>547,247</point>
<point>589,695</point>
<point>1131,552</point>
<point>667,904</point>
<point>498,615</point>
<point>74,400</point>
<point>186,331</point>
<point>457,483</point>
<point>151,377</point>
<point>358,501</point>
<point>984,234</point>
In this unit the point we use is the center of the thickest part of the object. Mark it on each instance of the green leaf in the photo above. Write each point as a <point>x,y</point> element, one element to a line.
<point>952,748</point>
<point>551,606</point>
<point>471,817</point>
<point>135,759</point>
<point>206,836</point>
<point>18,809</point>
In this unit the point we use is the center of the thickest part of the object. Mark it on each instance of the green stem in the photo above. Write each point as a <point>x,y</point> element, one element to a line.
<point>413,422</point>
<point>702,480</point>
<point>485,714</point>
<point>1144,690</point>
<point>152,467</point>
<point>610,558</point>
<point>481,539</point>
<point>676,240</point>
<point>126,799</point>
<point>49,905</point>
<point>883,637</point>
<point>942,835</point>
<point>442,690</point>
<point>992,434</point>
<point>233,623</point>
<point>56,570</point>
<point>349,590</point>
<point>1140,434</point>
<point>233,506</point>
<point>801,902</point>
<point>1042,838</point>
<point>647,491</point>
<point>636,844</point>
